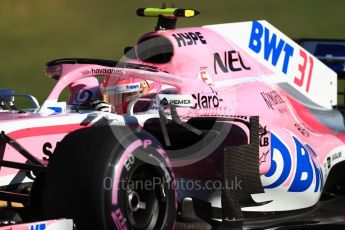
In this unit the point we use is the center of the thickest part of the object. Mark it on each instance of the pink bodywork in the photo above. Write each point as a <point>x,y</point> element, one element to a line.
<point>63,224</point>
<point>241,99</point>
<point>244,98</point>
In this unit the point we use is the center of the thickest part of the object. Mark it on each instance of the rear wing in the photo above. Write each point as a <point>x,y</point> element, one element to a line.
<point>289,62</point>
<point>332,53</point>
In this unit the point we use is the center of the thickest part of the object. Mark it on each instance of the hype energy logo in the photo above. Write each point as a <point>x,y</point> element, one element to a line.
<point>303,169</point>
<point>274,48</point>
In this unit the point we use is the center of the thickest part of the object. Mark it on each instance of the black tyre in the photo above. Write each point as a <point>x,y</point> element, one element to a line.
<point>36,197</point>
<point>110,178</point>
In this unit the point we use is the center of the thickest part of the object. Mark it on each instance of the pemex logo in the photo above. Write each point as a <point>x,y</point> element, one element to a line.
<point>164,102</point>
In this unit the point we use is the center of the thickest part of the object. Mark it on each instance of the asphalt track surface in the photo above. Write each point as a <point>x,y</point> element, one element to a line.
<point>327,214</point>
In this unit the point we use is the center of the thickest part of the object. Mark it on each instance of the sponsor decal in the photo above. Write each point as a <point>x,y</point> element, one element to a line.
<point>325,169</point>
<point>264,139</point>
<point>57,110</point>
<point>176,102</point>
<point>206,101</point>
<point>302,130</point>
<point>272,99</point>
<point>132,87</point>
<point>336,156</point>
<point>106,71</point>
<point>190,38</point>
<point>83,96</point>
<point>232,62</point>
<point>47,150</point>
<point>306,168</point>
<point>164,102</point>
<point>42,226</point>
<point>127,88</point>
<point>120,220</point>
<point>329,162</point>
<point>175,99</point>
<point>129,162</point>
<point>205,76</point>
<point>277,51</point>
<point>273,47</point>
<point>263,157</point>
<point>302,68</point>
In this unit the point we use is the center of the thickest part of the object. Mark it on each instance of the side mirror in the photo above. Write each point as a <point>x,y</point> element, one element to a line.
<point>6,95</point>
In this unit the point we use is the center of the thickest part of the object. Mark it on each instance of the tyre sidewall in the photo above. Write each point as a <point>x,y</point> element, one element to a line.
<point>143,151</point>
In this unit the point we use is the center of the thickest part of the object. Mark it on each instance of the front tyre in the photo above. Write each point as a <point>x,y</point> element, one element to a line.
<point>110,178</point>
<point>143,190</point>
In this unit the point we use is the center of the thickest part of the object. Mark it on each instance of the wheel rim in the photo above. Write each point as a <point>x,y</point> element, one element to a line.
<point>146,204</point>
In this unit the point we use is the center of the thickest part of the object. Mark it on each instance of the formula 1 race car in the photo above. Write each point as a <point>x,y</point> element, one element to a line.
<point>221,126</point>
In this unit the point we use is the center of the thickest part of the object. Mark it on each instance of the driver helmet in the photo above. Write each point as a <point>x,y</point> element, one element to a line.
<point>120,92</point>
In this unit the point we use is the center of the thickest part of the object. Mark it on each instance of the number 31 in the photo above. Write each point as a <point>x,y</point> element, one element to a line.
<point>302,69</point>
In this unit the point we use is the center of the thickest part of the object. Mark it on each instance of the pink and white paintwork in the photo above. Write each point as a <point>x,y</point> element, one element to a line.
<point>233,62</point>
<point>65,224</point>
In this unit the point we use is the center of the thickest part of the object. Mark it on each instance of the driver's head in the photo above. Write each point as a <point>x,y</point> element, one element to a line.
<point>120,93</point>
